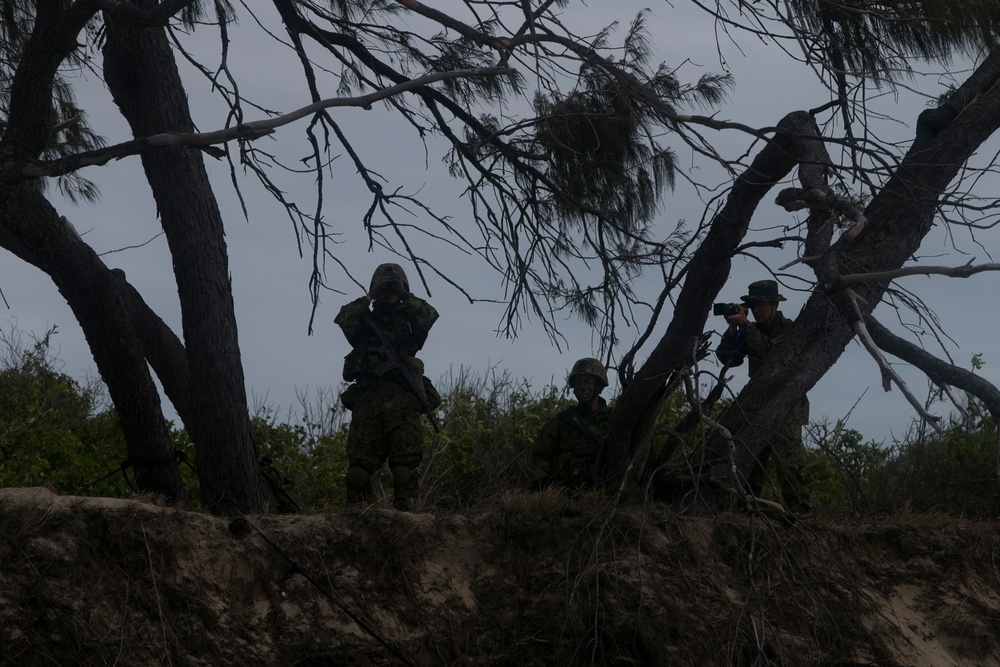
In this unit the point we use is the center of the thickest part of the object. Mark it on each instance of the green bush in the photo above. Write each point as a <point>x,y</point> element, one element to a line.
<point>307,449</point>
<point>54,431</point>
<point>58,433</point>
<point>954,472</point>
<point>488,428</point>
<point>842,470</point>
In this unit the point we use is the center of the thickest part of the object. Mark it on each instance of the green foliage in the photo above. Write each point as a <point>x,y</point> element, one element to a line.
<point>71,132</point>
<point>977,361</point>
<point>488,432</point>
<point>57,433</point>
<point>591,137</point>
<point>595,139</point>
<point>53,431</point>
<point>182,443</point>
<point>310,454</point>
<point>954,473</point>
<point>877,39</point>
<point>842,469</point>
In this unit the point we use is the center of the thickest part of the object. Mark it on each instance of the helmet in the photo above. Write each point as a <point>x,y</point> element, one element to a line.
<point>387,273</point>
<point>589,366</point>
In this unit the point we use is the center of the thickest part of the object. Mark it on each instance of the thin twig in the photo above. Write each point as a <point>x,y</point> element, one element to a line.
<point>888,374</point>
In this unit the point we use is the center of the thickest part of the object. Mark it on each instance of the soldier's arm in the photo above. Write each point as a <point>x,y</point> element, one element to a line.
<point>350,319</point>
<point>421,315</point>
<point>732,349</point>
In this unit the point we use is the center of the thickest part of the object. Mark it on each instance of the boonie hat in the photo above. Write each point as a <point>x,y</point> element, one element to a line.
<point>762,290</point>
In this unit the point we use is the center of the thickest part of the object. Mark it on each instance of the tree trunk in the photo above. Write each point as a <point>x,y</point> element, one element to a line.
<point>708,272</point>
<point>32,229</point>
<point>142,75</point>
<point>899,217</point>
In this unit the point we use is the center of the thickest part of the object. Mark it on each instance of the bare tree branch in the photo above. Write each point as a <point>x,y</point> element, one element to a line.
<point>964,271</point>
<point>244,131</point>
<point>940,372</point>
<point>891,376</point>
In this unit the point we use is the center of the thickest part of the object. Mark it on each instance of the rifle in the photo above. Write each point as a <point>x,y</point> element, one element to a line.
<point>393,361</point>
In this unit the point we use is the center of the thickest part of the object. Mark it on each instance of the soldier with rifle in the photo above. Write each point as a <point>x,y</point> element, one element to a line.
<point>386,328</point>
<point>569,446</point>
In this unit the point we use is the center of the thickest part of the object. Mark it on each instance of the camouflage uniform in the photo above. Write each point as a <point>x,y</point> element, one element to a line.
<point>755,342</point>
<point>385,425</point>
<point>568,446</point>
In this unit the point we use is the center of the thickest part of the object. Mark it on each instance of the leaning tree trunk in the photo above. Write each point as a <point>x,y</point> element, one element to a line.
<point>898,218</point>
<point>32,229</point>
<point>141,72</point>
<point>708,272</point>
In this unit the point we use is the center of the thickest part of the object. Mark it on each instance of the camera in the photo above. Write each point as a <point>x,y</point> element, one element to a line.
<point>726,309</point>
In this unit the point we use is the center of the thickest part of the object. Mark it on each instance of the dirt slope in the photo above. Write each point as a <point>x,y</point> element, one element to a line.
<point>531,579</point>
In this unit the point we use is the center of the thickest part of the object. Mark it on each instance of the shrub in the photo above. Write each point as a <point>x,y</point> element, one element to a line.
<point>842,470</point>
<point>53,430</point>
<point>307,448</point>
<point>488,431</point>
<point>955,473</point>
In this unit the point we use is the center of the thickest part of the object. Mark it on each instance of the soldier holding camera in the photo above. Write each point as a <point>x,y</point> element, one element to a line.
<point>385,425</point>
<point>744,339</point>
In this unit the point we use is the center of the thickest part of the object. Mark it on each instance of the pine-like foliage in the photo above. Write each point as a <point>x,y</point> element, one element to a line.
<point>598,138</point>
<point>876,40</point>
<point>70,132</point>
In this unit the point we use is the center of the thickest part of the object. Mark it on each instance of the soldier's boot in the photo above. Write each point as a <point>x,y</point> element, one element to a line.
<point>404,487</point>
<point>359,485</point>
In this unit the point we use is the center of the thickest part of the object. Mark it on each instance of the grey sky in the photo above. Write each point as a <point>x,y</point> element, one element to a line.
<point>270,280</point>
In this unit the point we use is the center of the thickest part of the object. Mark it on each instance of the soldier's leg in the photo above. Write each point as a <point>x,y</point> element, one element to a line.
<point>794,489</point>
<point>359,485</point>
<point>790,462</point>
<point>405,482</point>
<point>363,457</point>
<point>758,473</point>
<point>405,454</point>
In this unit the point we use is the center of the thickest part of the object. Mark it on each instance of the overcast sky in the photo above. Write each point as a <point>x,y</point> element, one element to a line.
<point>270,279</point>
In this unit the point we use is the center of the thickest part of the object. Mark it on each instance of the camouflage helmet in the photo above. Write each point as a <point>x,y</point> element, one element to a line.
<point>387,273</point>
<point>589,366</point>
